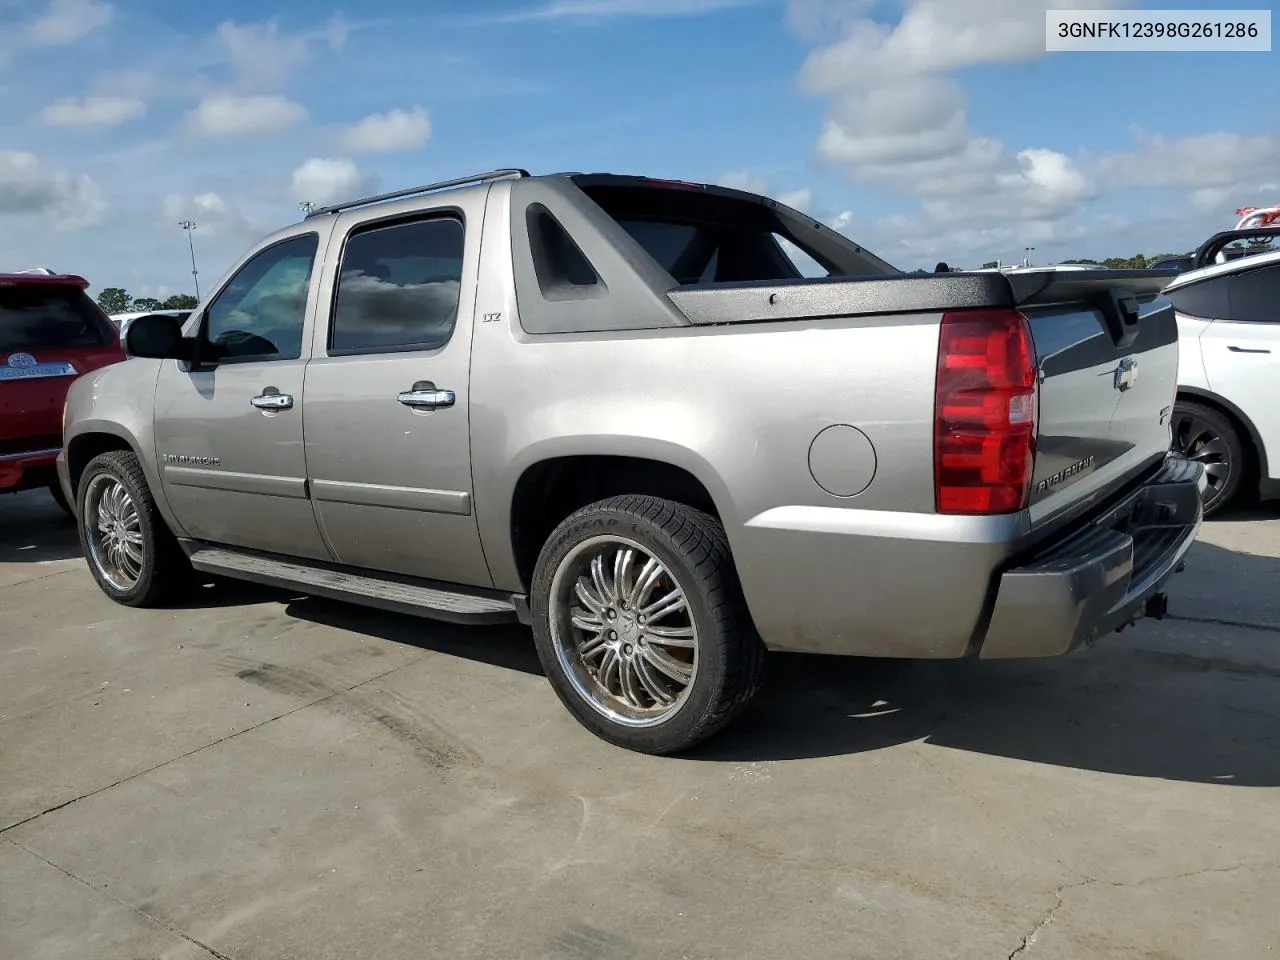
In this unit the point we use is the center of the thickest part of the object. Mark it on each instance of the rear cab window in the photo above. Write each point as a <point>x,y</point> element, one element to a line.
<point>710,236</point>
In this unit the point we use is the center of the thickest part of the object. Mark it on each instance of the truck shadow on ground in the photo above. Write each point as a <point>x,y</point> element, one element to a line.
<point>1142,703</point>
<point>1193,698</point>
<point>34,529</point>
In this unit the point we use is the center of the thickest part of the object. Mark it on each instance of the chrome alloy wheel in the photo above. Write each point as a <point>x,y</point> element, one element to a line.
<point>623,631</point>
<point>113,532</point>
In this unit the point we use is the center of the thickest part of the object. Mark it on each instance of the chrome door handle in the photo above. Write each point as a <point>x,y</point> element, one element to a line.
<point>425,396</point>
<point>272,399</point>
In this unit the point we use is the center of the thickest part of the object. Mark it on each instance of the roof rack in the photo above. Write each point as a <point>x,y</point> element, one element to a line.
<point>415,191</point>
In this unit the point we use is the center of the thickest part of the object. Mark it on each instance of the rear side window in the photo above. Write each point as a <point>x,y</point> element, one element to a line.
<point>1255,296</point>
<point>1206,299</point>
<point>399,288</point>
<point>34,318</point>
<point>563,270</point>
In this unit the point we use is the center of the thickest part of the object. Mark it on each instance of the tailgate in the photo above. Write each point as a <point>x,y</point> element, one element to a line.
<point>1107,350</point>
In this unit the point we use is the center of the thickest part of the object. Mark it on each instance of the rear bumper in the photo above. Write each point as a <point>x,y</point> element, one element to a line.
<point>1101,578</point>
<point>27,469</point>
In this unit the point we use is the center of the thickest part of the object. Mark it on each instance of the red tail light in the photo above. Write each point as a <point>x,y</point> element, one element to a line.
<point>984,434</point>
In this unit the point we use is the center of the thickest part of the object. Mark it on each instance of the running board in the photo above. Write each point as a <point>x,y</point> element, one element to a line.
<point>366,589</point>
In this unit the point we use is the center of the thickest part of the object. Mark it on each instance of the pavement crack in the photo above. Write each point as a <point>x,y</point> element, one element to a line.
<point>213,743</point>
<point>1058,895</point>
<point>149,918</point>
<point>1223,622</point>
<point>1204,871</point>
<point>47,576</point>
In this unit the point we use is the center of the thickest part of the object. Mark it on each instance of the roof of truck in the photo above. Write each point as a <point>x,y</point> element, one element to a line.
<point>514,173</point>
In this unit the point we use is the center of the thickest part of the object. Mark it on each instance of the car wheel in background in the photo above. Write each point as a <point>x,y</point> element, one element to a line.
<point>641,625</point>
<point>1206,436</point>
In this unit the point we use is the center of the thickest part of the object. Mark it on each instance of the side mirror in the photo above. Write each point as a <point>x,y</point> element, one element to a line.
<point>156,336</point>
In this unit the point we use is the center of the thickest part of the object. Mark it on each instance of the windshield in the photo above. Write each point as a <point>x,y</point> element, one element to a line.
<point>34,318</point>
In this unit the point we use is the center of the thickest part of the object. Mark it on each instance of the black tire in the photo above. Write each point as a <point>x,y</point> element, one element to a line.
<point>728,664</point>
<point>1207,436</point>
<point>164,570</point>
<point>55,491</point>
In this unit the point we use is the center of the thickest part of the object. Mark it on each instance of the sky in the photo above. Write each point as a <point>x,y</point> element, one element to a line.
<point>923,129</point>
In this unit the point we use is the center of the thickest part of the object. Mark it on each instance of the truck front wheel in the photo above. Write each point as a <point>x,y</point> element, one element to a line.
<point>131,553</point>
<point>641,625</point>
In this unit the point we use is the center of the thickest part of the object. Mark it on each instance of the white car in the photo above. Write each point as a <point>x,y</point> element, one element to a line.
<point>1227,414</point>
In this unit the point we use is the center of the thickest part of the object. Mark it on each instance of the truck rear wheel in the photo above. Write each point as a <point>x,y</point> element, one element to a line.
<point>641,625</point>
<point>131,553</point>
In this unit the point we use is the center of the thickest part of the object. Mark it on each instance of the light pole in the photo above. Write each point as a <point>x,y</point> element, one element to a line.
<point>190,226</point>
<point>1029,251</point>
<point>306,206</point>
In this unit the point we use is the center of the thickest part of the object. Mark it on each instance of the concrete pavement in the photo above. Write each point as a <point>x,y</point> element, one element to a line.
<point>267,777</point>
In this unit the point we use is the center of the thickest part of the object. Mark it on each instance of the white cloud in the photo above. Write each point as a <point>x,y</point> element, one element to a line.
<point>213,215</point>
<point>896,120</point>
<point>817,20</point>
<point>223,115</point>
<point>135,84</point>
<point>261,57</point>
<point>387,132</point>
<point>742,180</point>
<point>932,37</point>
<point>93,111</point>
<point>66,21</point>
<point>336,32</point>
<point>324,180</point>
<point>1219,159</point>
<point>584,9</point>
<point>29,187</point>
<point>797,199</point>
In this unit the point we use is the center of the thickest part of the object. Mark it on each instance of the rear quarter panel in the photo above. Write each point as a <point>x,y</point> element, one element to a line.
<point>739,408</point>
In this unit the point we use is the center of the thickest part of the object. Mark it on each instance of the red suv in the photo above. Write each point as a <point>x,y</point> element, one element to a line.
<point>50,333</point>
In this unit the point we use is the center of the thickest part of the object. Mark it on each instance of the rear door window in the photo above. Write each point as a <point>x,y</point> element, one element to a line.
<point>399,288</point>
<point>34,318</point>
<point>1255,296</point>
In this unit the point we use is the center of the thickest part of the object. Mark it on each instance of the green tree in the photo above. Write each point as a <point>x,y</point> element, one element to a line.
<point>181,301</point>
<point>114,300</point>
<point>991,265</point>
<point>147,303</point>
